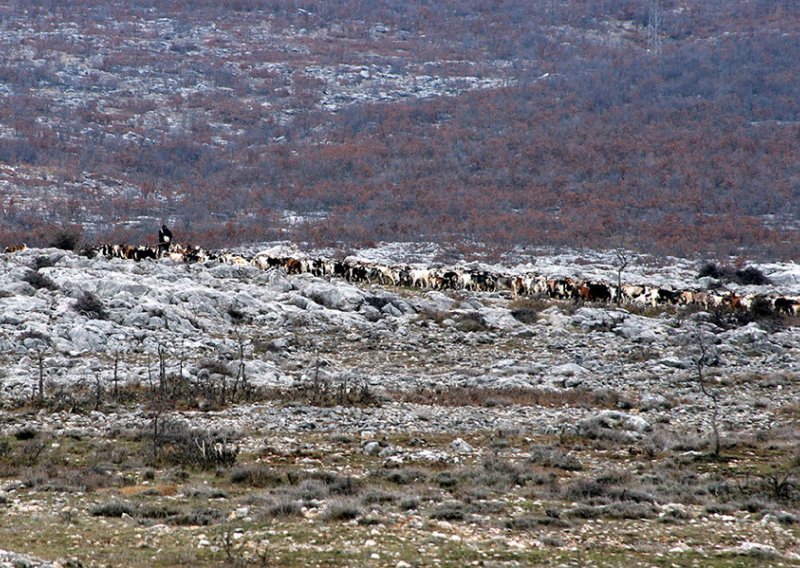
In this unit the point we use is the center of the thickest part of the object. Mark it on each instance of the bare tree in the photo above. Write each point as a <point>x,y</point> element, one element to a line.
<point>702,359</point>
<point>37,345</point>
<point>654,27</point>
<point>115,376</point>
<point>623,259</point>
<point>241,375</point>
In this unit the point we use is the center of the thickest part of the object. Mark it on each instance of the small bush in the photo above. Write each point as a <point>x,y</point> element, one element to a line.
<point>749,276</point>
<point>67,239</point>
<point>39,281</point>
<point>553,457</point>
<point>709,270</point>
<point>343,485</point>
<point>529,522</point>
<point>406,476</point>
<point>178,445</point>
<point>630,510</point>
<point>472,322</point>
<point>113,509</point>
<point>585,490</point>
<point>377,496</point>
<point>26,433</point>
<point>754,505</point>
<point>525,315</point>
<point>622,510</point>
<point>603,488</point>
<point>198,517</point>
<point>787,518</point>
<point>752,276</point>
<point>409,503</point>
<point>158,512</point>
<point>761,309</point>
<point>449,512</point>
<point>284,506</point>
<point>312,490</point>
<point>342,510</point>
<point>237,315</point>
<point>446,480</point>
<point>91,306</point>
<point>719,509</point>
<point>257,476</point>
<point>496,472</point>
<point>5,449</point>
<point>204,492</point>
<point>43,262</point>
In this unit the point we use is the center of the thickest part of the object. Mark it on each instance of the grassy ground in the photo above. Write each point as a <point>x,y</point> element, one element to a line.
<point>320,500</point>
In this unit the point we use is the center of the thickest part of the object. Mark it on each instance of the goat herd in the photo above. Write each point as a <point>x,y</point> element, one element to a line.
<point>458,278</point>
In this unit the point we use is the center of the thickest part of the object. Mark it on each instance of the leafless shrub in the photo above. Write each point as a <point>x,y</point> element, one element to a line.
<point>282,507</point>
<point>373,496</point>
<point>406,476</point>
<point>532,522</point>
<point>176,444</point>
<point>525,315</point>
<point>701,360</point>
<point>472,322</point>
<point>42,262</point>
<point>496,472</point>
<point>26,433</point>
<point>554,457</point>
<point>113,509</point>
<point>26,453</point>
<point>257,475</point>
<point>39,281</point>
<point>342,509</point>
<point>343,485</point>
<point>409,503</point>
<point>91,306</point>
<point>451,511</point>
<point>196,517</point>
<point>157,511</point>
<point>312,489</point>
<point>68,238</point>
<point>324,391</point>
<point>446,480</point>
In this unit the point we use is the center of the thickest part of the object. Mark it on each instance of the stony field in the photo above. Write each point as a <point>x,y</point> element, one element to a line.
<point>200,415</point>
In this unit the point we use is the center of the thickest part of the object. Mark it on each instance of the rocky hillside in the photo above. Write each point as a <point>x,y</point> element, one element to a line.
<point>281,361</point>
<point>280,326</point>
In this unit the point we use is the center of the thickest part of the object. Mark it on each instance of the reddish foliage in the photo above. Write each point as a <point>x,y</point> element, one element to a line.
<point>694,149</point>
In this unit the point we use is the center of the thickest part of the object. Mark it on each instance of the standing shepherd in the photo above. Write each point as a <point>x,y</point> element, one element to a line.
<point>164,240</point>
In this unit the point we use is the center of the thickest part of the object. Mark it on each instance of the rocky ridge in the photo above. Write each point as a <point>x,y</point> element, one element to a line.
<point>288,327</point>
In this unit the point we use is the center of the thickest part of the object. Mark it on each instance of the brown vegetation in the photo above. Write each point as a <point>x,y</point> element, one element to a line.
<point>590,133</point>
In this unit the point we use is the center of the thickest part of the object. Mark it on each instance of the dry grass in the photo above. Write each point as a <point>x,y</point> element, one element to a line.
<point>521,490</point>
<point>488,397</point>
